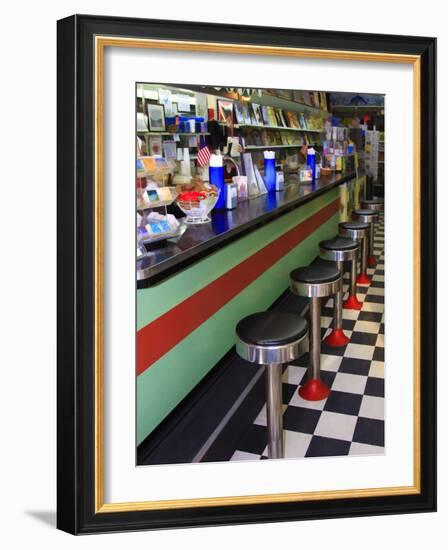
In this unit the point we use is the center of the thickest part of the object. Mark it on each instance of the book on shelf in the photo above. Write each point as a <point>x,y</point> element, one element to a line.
<point>272,117</point>
<point>285,138</point>
<point>292,119</point>
<point>277,136</point>
<point>246,113</point>
<point>253,118</point>
<point>307,98</point>
<point>265,114</point>
<point>239,112</point>
<point>142,122</point>
<point>298,96</point>
<point>258,114</point>
<point>303,121</point>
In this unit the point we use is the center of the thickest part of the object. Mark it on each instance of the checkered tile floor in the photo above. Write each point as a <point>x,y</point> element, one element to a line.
<point>351,420</point>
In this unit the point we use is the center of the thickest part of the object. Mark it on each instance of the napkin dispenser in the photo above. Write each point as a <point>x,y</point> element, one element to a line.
<point>230,196</point>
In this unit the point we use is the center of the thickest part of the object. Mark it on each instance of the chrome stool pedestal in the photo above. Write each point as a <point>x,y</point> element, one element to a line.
<point>370,217</point>
<point>272,338</point>
<point>358,231</point>
<point>339,250</point>
<point>315,282</point>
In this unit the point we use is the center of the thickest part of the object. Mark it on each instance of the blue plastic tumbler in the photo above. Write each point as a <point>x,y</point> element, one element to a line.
<point>216,174</point>
<point>270,175</point>
<point>311,161</point>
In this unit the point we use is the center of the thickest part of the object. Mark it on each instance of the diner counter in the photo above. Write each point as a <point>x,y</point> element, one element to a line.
<point>215,275</point>
<point>197,241</point>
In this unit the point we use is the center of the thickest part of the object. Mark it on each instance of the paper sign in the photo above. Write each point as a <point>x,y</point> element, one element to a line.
<point>183,103</point>
<point>152,94</point>
<point>193,141</point>
<point>169,148</point>
<point>165,99</point>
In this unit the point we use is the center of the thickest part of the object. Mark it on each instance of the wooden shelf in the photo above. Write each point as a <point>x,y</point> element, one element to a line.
<point>173,133</point>
<point>351,108</point>
<point>267,147</point>
<point>287,104</point>
<point>284,128</point>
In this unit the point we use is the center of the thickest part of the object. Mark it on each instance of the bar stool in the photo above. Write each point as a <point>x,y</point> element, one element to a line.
<point>359,231</point>
<point>373,204</point>
<point>315,281</point>
<point>370,217</point>
<point>272,338</point>
<point>340,250</point>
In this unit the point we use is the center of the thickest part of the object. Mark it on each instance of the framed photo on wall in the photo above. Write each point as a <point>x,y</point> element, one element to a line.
<point>164,420</point>
<point>156,117</point>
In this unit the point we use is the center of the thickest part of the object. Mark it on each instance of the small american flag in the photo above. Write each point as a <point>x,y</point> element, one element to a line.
<point>204,154</point>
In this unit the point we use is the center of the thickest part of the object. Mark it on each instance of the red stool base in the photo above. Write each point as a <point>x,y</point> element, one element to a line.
<point>314,390</point>
<point>337,338</point>
<point>363,279</point>
<point>372,261</point>
<point>352,302</point>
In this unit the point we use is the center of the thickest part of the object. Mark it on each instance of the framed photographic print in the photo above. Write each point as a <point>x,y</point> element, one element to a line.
<point>156,117</point>
<point>265,360</point>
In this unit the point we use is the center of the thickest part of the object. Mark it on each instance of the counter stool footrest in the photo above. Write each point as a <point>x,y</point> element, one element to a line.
<point>337,338</point>
<point>314,390</point>
<point>352,302</point>
<point>363,279</point>
<point>372,261</point>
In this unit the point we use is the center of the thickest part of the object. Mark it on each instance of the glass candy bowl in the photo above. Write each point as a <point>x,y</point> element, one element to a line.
<point>197,205</point>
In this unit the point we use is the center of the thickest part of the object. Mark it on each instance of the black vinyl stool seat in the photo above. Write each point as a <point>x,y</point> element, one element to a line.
<point>272,338</point>
<point>360,231</point>
<point>365,213</point>
<point>369,216</point>
<point>354,225</point>
<point>339,243</point>
<point>340,250</point>
<point>271,328</point>
<point>315,281</point>
<point>373,204</point>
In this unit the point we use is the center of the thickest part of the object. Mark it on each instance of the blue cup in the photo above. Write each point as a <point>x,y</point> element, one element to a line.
<point>216,174</point>
<point>270,175</point>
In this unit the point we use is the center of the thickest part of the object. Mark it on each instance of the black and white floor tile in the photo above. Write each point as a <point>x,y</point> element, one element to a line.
<point>351,420</point>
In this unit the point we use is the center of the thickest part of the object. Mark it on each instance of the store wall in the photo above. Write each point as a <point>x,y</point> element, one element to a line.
<point>196,310</point>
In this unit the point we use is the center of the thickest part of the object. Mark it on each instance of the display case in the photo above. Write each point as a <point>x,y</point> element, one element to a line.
<point>154,195</point>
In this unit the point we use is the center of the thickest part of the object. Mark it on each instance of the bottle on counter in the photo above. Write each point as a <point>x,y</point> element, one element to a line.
<point>216,173</point>
<point>311,161</point>
<point>270,175</point>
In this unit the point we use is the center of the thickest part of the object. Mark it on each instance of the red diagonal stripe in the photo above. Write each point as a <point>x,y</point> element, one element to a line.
<point>158,337</point>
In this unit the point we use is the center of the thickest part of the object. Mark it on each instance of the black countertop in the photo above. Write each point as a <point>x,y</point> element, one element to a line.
<point>197,241</point>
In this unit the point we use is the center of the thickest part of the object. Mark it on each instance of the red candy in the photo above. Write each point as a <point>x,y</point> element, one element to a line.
<point>192,196</point>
